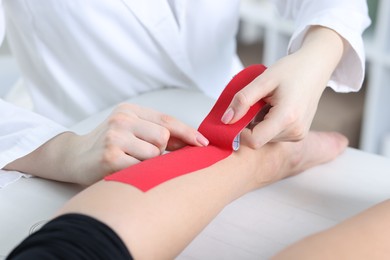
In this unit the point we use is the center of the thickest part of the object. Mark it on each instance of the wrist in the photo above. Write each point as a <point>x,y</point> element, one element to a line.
<point>47,161</point>
<point>252,175</point>
<point>322,47</point>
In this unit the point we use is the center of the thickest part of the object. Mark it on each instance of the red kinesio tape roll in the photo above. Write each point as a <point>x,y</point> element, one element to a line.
<point>152,172</point>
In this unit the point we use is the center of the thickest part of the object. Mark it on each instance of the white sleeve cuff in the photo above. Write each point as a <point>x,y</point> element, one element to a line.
<point>22,131</point>
<point>349,74</point>
<point>27,141</point>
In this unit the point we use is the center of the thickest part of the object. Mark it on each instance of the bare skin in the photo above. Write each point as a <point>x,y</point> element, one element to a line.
<point>143,220</point>
<point>364,236</point>
<point>129,135</point>
<point>292,86</point>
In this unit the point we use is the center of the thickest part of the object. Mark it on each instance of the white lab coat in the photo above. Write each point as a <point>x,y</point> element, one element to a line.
<point>80,57</point>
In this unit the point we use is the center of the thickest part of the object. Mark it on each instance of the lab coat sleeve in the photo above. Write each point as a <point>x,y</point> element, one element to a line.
<point>349,18</point>
<point>22,131</point>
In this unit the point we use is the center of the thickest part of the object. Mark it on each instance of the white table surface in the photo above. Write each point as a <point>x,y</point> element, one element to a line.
<point>255,226</point>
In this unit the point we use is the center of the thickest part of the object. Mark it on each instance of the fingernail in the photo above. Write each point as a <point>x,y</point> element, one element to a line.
<point>228,116</point>
<point>202,140</point>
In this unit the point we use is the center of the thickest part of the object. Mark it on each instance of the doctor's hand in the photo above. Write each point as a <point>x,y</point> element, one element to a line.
<point>129,135</point>
<point>292,87</point>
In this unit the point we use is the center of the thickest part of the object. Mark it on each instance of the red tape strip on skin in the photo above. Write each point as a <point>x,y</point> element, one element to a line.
<point>152,172</point>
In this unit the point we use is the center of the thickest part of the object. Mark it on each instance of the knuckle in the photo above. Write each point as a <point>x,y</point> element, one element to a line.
<point>109,158</point>
<point>121,106</point>
<point>166,119</point>
<point>120,119</point>
<point>162,138</point>
<point>256,145</point>
<point>251,140</point>
<point>290,118</point>
<point>152,151</point>
<point>296,129</point>
<point>116,119</point>
<point>125,106</point>
<point>257,142</point>
<point>241,99</point>
<point>270,82</point>
<point>298,133</point>
<point>111,137</point>
<point>164,135</point>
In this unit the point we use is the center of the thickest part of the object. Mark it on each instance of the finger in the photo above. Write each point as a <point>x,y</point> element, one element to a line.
<point>292,134</point>
<point>176,128</point>
<point>149,132</point>
<point>259,116</point>
<point>140,149</point>
<point>124,161</point>
<point>115,160</point>
<point>246,137</point>
<point>268,129</point>
<point>276,131</point>
<point>184,133</point>
<point>245,98</point>
<point>126,125</point>
<point>175,144</point>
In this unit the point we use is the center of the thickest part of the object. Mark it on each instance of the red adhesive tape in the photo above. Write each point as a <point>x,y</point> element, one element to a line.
<point>152,172</point>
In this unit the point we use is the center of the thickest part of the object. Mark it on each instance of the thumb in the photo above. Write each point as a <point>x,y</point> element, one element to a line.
<point>247,97</point>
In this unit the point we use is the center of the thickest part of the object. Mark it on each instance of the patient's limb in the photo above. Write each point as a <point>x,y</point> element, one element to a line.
<point>364,236</point>
<point>160,223</point>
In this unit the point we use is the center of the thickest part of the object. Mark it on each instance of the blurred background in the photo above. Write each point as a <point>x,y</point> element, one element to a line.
<point>263,38</point>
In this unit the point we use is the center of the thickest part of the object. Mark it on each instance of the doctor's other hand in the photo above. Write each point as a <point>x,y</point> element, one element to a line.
<point>292,87</point>
<point>129,135</point>
<point>291,93</point>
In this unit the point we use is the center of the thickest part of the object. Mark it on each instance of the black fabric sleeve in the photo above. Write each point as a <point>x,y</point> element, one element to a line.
<point>72,236</point>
